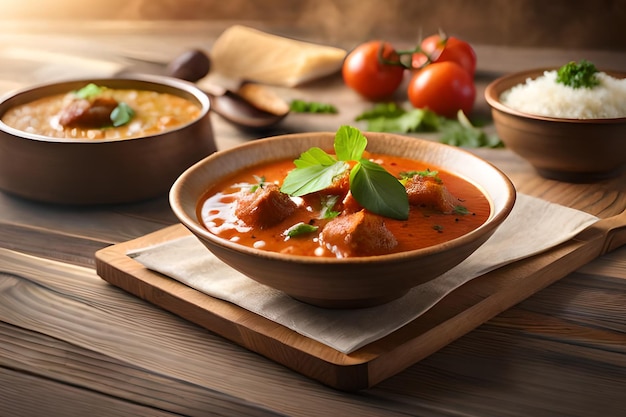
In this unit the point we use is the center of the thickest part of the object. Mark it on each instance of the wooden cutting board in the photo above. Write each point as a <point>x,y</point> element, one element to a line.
<point>458,313</point>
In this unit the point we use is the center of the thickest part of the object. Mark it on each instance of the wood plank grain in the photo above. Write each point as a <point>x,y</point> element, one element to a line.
<point>480,373</point>
<point>106,331</point>
<point>52,398</point>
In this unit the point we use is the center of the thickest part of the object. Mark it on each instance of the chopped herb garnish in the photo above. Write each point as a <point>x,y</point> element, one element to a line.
<point>405,175</point>
<point>370,184</point>
<point>578,75</point>
<point>438,228</point>
<point>122,114</point>
<point>301,106</point>
<point>299,229</point>
<point>89,91</point>
<point>260,183</point>
<point>328,203</point>
<point>461,210</point>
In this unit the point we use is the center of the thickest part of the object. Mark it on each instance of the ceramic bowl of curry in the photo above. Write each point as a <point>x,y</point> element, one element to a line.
<point>101,141</point>
<point>574,148</point>
<point>354,257</point>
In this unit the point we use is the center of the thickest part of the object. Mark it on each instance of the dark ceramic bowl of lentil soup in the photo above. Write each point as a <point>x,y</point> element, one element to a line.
<point>101,141</point>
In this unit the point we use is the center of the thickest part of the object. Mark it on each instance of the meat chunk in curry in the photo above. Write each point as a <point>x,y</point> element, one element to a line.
<point>264,207</point>
<point>340,188</point>
<point>85,113</point>
<point>358,234</point>
<point>429,191</point>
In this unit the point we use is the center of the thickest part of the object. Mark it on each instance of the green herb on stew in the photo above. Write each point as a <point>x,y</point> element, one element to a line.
<point>580,74</point>
<point>260,183</point>
<point>328,203</point>
<point>89,91</point>
<point>122,114</point>
<point>425,173</point>
<point>370,184</point>
<point>300,229</point>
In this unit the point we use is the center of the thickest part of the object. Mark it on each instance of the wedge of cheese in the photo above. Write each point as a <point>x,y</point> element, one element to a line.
<point>245,53</point>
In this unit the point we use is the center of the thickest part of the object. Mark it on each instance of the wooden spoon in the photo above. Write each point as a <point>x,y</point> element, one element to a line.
<point>252,106</point>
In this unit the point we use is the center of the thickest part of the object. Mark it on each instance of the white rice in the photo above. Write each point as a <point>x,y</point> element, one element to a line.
<point>545,97</point>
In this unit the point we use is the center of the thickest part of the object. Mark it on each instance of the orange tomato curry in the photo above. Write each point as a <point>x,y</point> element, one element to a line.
<point>235,209</point>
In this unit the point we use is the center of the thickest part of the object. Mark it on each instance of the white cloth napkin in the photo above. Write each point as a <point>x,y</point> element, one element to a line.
<point>533,226</point>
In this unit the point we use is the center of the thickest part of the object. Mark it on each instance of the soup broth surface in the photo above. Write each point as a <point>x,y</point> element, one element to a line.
<point>425,227</point>
<point>154,113</point>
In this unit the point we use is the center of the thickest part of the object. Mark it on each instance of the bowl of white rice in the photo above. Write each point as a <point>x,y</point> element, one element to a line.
<point>566,133</point>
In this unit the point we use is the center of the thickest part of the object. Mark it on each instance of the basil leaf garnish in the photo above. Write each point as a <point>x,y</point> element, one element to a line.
<point>89,91</point>
<point>371,185</point>
<point>300,229</point>
<point>378,191</point>
<point>122,114</point>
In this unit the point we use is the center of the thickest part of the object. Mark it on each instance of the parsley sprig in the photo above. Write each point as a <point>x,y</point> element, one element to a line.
<point>580,74</point>
<point>370,184</point>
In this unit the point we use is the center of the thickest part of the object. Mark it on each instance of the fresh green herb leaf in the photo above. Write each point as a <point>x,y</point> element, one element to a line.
<point>461,210</point>
<point>386,110</point>
<point>328,203</point>
<point>390,117</point>
<point>371,185</point>
<point>438,228</point>
<point>301,106</point>
<point>461,132</point>
<point>89,91</point>
<point>578,75</point>
<point>425,173</point>
<point>312,178</point>
<point>350,143</point>
<point>260,183</point>
<point>378,191</point>
<point>122,114</point>
<point>314,156</point>
<point>300,229</point>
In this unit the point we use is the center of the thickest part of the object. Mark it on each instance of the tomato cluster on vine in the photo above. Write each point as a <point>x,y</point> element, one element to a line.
<point>441,69</point>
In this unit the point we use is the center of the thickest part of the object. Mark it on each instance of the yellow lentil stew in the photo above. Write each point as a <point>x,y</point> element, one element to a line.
<point>96,112</point>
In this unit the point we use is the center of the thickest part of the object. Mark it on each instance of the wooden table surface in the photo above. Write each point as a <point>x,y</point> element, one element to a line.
<point>73,345</point>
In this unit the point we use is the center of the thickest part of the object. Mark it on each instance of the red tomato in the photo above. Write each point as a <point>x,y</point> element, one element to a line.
<point>453,49</point>
<point>364,73</point>
<point>443,87</point>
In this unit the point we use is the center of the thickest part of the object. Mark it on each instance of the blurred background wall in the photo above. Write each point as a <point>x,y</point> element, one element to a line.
<point>597,24</point>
